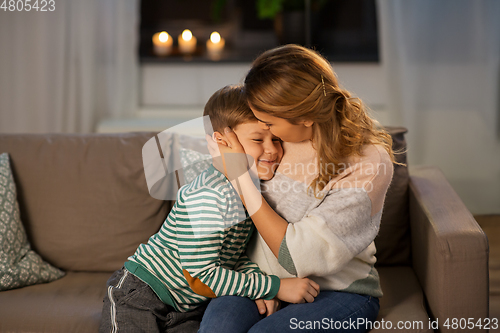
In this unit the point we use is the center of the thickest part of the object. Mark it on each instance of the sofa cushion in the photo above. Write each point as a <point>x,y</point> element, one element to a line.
<point>20,266</point>
<point>83,197</point>
<point>393,240</point>
<point>71,304</point>
<point>194,163</point>
<point>403,302</point>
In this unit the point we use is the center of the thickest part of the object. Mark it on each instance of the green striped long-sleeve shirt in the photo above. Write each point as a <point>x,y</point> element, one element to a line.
<point>198,252</point>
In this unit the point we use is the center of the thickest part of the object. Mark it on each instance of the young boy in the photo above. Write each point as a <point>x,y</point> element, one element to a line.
<point>198,254</point>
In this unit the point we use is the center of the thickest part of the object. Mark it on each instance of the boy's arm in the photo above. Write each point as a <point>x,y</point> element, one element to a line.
<point>200,229</point>
<point>245,265</point>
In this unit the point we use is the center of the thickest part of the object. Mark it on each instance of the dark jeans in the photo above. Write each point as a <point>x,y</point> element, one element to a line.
<point>130,305</point>
<point>331,311</point>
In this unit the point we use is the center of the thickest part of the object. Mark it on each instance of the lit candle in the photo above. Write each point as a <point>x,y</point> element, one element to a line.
<point>187,42</point>
<point>162,43</point>
<point>215,45</point>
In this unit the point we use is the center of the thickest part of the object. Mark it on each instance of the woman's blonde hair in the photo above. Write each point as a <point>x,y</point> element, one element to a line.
<point>296,84</point>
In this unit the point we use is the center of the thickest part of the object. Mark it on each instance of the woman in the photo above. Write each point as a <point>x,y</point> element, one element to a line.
<point>319,215</point>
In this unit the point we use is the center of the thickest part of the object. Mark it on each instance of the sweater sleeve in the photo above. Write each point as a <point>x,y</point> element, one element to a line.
<point>334,233</point>
<point>200,233</point>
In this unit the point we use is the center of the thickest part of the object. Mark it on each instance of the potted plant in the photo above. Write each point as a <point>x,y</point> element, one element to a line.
<point>271,8</point>
<point>289,17</point>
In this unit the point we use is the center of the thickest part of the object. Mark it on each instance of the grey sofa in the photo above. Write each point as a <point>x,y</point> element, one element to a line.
<point>85,205</point>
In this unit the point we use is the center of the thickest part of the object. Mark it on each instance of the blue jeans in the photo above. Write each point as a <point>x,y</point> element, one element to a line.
<point>331,311</point>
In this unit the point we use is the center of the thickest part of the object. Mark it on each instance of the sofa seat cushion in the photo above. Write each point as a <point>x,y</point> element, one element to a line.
<point>403,301</point>
<point>74,303</point>
<point>71,304</point>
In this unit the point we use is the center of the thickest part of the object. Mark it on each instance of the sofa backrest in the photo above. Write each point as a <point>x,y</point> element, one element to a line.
<point>83,198</point>
<point>86,207</point>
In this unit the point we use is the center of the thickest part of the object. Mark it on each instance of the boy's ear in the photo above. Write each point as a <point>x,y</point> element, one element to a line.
<point>219,138</point>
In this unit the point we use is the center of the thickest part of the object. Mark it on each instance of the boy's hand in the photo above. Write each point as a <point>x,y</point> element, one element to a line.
<point>298,290</point>
<point>268,306</point>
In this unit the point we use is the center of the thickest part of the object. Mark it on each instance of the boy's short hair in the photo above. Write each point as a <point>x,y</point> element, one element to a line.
<point>227,107</point>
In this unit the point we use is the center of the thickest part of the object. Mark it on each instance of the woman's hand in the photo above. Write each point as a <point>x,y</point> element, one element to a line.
<point>268,306</point>
<point>298,290</point>
<point>229,158</point>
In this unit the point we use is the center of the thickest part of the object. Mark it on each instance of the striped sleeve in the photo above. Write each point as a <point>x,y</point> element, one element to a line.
<point>245,265</point>
<point>201,221</point>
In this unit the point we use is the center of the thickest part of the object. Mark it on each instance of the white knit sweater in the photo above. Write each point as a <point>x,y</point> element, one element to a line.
<point>331,239</point>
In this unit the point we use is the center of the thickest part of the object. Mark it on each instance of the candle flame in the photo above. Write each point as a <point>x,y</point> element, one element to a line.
<point>215,37</point>
<point>187,35</point>
<point>163,37</point>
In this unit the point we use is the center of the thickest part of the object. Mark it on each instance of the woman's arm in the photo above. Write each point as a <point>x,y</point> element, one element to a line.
<point>232,161</point>
<point>271,226</point>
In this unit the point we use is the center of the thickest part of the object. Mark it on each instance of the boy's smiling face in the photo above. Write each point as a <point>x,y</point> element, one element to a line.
<point>262,145</point>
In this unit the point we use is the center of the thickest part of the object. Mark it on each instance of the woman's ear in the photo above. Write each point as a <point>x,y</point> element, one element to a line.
<point>307,123</point>
<point>219,138</point>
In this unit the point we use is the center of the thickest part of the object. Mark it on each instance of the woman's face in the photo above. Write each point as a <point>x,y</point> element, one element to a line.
<point>262,145</point>
<point>283,129</point>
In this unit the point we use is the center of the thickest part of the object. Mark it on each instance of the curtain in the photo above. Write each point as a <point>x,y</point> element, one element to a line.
<point>64,70</point>
<point>441,60</point>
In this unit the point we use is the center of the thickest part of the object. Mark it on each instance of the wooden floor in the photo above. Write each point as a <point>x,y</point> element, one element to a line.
<point>491,226</point>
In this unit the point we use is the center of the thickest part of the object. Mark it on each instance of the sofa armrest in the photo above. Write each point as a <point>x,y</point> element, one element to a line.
<point>449,250</point>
